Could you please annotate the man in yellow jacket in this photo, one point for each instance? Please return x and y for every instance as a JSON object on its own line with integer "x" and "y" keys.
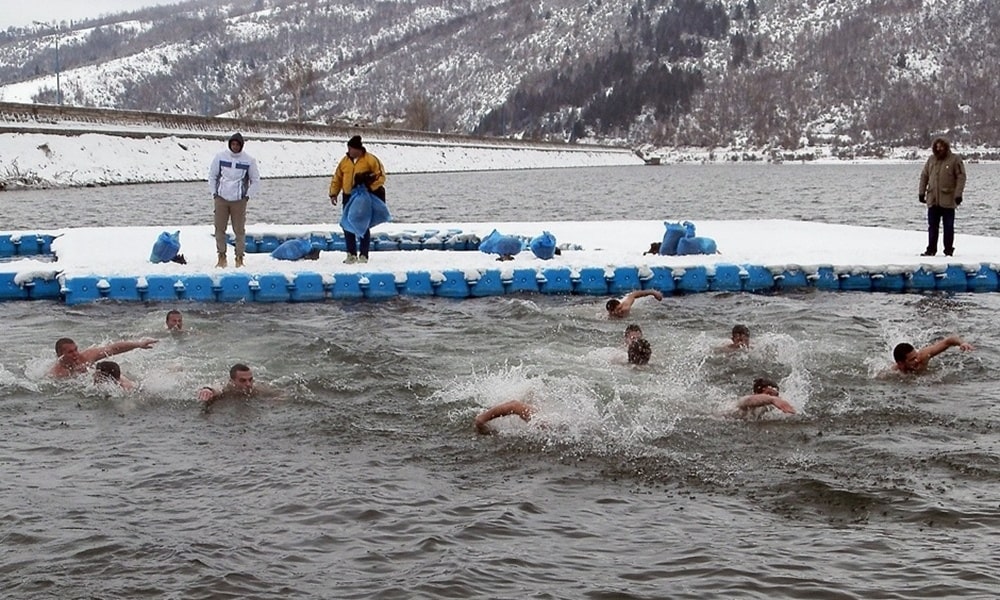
{"x": 357, "y": 167}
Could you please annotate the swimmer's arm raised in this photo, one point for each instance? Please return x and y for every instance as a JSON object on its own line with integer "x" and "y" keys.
{"x": 94, "y": 354}
{"x": 514, "y": 407}
{"x": 943, "y": 344}
{"x": 631, "y": 297}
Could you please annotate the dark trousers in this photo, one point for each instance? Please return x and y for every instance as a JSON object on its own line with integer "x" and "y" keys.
{"x": 352, "y": 243}
{"x": 936, "y": 214}
{"x": 366, "y": 241}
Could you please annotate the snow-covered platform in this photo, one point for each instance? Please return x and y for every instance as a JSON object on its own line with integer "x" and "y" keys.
{"x": 434, "y": 259}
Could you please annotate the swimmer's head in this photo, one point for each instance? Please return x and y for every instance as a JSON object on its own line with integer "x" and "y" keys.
{"x": 63, "y": 346}
{"x": 762, "y": 385}
{"x": 241, "y": 378}
{"x": 901, "y": 351}
{"x": 612, "y": 305}
{"x": 175, "y": 321}
{"x": 107, "y": 371}
{"x": 639, "y": 351}
{"x": 906, "y": 357}
{"x": 741, "y": 335}
{"x": 632, "y": 333}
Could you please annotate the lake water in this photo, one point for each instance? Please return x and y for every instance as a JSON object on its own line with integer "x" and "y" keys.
{"x": 366, "y": 480}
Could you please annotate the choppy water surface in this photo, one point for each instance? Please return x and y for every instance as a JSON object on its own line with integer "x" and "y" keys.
{"x": 366, "y": 480}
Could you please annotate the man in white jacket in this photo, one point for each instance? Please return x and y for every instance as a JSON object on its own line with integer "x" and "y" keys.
{"x": 234, "y": 179}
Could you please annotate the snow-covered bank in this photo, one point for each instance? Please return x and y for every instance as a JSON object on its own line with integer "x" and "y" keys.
{"x": 49, "y": 146}
{"x": 56, "y": 160}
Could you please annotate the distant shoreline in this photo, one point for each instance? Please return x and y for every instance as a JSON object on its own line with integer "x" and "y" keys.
{"x": 52, "y": 147}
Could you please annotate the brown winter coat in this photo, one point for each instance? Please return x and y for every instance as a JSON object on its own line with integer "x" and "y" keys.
{"x": 942, "y": 179}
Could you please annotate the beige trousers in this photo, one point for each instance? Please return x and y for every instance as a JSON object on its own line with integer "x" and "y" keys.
{"x": 237, "y": 212}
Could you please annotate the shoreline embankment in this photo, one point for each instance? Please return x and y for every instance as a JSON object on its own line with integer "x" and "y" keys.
{"x": 43, "y": 146}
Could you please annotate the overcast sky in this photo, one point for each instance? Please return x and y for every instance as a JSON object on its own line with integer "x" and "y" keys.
{"x": 19, "y": 13}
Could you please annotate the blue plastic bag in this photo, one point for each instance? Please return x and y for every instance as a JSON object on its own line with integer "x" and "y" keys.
{"x": 543, "y": 246}
{"x": 166, "y": 247}
{"x": 292, "y": 249}
{"x": 691, "y": 244}
{"x": 673, "y": 234}
{"x": 363, "y": 211}
{"x": 696, "y": 245}
{"x": 504, "y": 245}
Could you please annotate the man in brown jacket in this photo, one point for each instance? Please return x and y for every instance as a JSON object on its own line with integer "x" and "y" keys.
{"x": 941, "y": 185}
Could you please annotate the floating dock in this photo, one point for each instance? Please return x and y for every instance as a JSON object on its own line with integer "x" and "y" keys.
{"x": 600, "y": 259}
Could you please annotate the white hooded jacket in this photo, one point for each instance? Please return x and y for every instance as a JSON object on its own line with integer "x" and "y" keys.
{"x": 232, "y": 176}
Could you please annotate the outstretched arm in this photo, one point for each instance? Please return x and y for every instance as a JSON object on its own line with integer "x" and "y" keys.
{"x": 943, "y": 344}
{"x": 631, "y": 297}
{"x": 514, "y": 407}
{"x": 95, "y": 354}
{"x": 757, "y": 400}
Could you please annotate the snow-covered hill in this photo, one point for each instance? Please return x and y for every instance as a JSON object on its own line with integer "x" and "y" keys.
{"x": 766, "y": 74}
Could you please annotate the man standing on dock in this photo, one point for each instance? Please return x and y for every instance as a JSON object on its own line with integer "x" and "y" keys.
{"x": 357, "y": 167}
{"x": 942, "y": 182}
{"x": 234, "y": 179}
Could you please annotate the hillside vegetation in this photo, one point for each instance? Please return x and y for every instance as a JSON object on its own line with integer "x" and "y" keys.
{"x": 756, "y": 73}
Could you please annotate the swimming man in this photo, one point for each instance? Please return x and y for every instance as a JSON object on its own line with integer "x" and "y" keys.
{"x": 619, "y": 309}
{"x": 765, "y": 393}
{"x": 911, "y": 360}
{"x": 71, "y": 361}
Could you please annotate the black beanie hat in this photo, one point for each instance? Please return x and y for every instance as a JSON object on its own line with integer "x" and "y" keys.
{"x": 355, "y": 142}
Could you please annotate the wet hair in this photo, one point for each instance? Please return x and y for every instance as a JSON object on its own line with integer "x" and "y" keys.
{"x": 632, "y": 327}
{"x": 238, "y": 367}
{"x": 901, "y": 350}
{"x": 108, "y": 370}
{"x": 639, "y": 351}
{"x": 612, "y": 304}
{"x": 762, "y": 383}
{"x": 741, "y": 330}
{"x": 61, "y": 343}
{"x": 171, "y": 313}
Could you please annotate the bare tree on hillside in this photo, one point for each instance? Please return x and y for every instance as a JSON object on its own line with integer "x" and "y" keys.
{"x": 297, "y": 77}
{"x": 419, "y": 113}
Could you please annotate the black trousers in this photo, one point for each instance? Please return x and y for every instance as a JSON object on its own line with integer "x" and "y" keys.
{"x": 936, "y": 214}
{"x": 366, "y": 240}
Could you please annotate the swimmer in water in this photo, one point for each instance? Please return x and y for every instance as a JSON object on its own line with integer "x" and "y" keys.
{"x": 912, "y": 361}
{"x": 765, "y": 394}
{"x": 240, "y": 386}
{"x": 72, "y": 361}
{"x": 740, "y": 339}
{"x": 619, "y": 309}
{"x": 110, "y": 372}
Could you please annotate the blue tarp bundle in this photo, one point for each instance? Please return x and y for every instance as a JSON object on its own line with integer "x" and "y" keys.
{"x": 292, "y": 249}
{"x": 673, "y": 234}
{"x": 543, "y": 246}
{"x": 680, "y": 239}
{"x": 696, "y": 245}
{"x": 166, "y": 247}
{"x": 363, "y": 211}
{"x": 504, "y": 245}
